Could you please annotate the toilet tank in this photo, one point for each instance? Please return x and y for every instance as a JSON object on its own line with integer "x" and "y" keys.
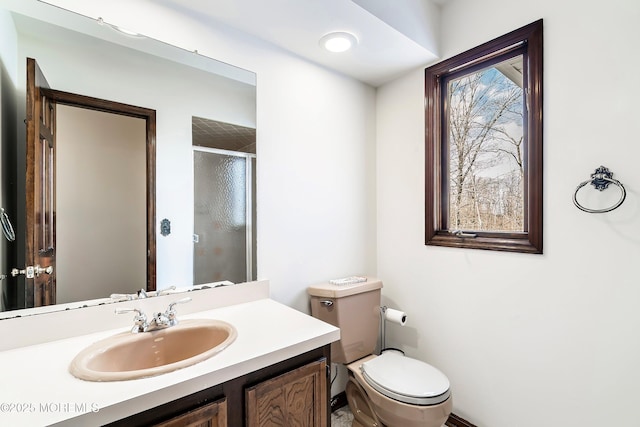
{"x": 355, "y": 309}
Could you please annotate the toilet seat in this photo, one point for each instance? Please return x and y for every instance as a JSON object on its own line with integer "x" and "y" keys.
{"x": 405, "y": 379}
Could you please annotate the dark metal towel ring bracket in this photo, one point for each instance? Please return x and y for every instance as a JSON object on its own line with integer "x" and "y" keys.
{"x": 600, "y": 179}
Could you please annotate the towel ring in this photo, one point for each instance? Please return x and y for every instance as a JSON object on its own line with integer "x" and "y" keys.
{"x": 600, "y": 179}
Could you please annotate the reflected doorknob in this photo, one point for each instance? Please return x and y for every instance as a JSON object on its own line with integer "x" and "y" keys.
{"x": 30, "y": 272}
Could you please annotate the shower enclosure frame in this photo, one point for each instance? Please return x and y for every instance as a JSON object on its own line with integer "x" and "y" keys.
{"x": 249, "y": 202}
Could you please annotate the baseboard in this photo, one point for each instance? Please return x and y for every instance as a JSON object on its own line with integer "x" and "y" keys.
{"x": 338, "y": 401}
{"x": 456, "y": 421}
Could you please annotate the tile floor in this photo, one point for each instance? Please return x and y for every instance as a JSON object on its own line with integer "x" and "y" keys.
{"x": 342, "y": 417}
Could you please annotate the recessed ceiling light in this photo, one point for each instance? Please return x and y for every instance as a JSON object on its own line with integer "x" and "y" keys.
{"x": 338, "y": 41}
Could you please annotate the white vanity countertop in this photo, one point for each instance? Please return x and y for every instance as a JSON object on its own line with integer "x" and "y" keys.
{"x": 40, "y": 391}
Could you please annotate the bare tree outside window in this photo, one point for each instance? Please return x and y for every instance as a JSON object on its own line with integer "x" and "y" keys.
{"x": 485, "y": 116}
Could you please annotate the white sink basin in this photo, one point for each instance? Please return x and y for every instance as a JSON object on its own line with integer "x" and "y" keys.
{"x": 128, "y": 356}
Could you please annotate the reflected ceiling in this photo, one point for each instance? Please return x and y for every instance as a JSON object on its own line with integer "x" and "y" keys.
{"x": 226, "y": 136}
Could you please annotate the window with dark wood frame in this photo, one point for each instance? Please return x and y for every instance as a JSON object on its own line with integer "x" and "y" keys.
{"x": 526, "y": 42}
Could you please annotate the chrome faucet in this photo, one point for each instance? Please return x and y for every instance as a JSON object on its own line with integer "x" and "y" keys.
{"x": 171, "y": 314}
{"x": 141, "y": 294}
{"x": 165, "y": 291}
{"x": 121, "y": 297}
{"x": 140, "y": 323}
{"x": 159, "y": 321}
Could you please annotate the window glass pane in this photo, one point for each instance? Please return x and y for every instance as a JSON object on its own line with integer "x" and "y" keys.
{"x": 484, "y": 111}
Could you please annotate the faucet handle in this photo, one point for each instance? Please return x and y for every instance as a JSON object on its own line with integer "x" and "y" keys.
{"x": 124, "y": 310}
{"x": 128, "y": 297}
{"x": 171, "y": 311}
{"x": 140, "y": 323}
{"x": 165, "y": 291}
{"x": 180, "y": 301}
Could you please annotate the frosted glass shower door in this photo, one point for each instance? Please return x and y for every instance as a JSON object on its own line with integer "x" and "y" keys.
{"x": 224, "y": 198}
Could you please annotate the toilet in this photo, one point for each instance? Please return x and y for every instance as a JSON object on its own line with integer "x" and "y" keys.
{"x": 391, "y": 389}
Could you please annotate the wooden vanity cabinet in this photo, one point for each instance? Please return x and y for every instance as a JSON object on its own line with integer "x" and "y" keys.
{"x": 293, "y": 392}
{"x": 296, "y": 398}
{"x": 209, "y": 415}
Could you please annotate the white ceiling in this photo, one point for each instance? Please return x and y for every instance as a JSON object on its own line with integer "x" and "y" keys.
{"x": 394, "y": 35}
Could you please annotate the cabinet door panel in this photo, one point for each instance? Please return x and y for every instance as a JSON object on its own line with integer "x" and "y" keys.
{"x": 210, "y": 415}
{"x": 294, "y": 399}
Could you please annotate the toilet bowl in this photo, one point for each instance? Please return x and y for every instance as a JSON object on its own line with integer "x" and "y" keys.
{"x": 397, "y": 391}
{"x": 391, "y": 389}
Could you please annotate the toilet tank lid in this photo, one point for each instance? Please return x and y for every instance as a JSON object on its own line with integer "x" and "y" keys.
{"x": 329, "y": 290}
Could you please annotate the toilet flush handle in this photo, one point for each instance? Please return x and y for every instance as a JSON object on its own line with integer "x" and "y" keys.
{"x": 327, "y": 303}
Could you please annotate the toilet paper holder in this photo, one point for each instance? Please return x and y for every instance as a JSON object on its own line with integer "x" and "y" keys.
{"x": 383, "y": 329}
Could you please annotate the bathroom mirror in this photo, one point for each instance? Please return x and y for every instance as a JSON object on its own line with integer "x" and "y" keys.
{"x": 83, "y": 56}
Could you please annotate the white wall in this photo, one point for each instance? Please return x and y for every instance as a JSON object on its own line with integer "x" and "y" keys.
{"x": 316, "y": 211}
{"x": 528, "y": 340}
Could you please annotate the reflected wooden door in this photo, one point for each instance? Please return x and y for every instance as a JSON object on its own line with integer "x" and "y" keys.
{"x": 40, "y": 191}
